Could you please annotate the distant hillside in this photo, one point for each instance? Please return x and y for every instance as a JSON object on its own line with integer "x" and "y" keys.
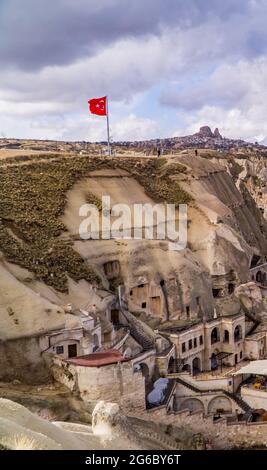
{"x": 204, "y": 138}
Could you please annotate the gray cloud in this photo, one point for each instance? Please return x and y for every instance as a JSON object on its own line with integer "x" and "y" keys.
{"x": 35, "y": 33}
{"x": 205, "y": 54}
{"x": 240, "y": 85}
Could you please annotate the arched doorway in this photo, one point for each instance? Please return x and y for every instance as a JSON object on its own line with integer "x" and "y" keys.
{"x": 171, "y": 366}
{"x": 231, "y": 288}
{"x": 192, "y": 404}
{"x": 259, "y": 276}
{"x": 220, "y": 405}
{"x": 115, "y": 316}
{"x": 145, "y": 371}
{"x": 186, "y": 368}
{"x": 196, "y": 366}
{"x": 226, "y": 336}
{"x": 72, "y": 350}
{"x": 215, "y": 336}
{"x": 95, "y": 342}
{"x": 213, "y": 362}
{"x": 238, "y": 333}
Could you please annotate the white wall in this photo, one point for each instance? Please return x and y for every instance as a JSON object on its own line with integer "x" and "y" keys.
{"x": 254, "y": 398}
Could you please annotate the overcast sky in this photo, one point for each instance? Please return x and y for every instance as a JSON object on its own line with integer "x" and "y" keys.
{"x": 168, "y": 67}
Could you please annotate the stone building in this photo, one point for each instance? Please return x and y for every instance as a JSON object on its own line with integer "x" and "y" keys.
{"x": 81, "y": 335}
{"x": 205, "y": 345}
{"x": 255, "y": 346}
{"x": 107, "y": 375}
{"x": 258, "y": 275}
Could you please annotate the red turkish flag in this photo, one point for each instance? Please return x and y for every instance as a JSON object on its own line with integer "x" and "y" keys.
{"x": 98, "y": 106}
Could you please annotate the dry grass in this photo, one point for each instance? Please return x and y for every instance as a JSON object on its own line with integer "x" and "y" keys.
{"x": 19, "y": 442}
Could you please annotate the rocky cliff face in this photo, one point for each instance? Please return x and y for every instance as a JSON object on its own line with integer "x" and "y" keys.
{"x": 249, "y": 171}
{"x": 225, "y": 230}
{"x": 233, "y": 228}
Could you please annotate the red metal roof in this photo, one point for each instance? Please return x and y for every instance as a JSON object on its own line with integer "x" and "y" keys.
{"x": 98, "y": 359}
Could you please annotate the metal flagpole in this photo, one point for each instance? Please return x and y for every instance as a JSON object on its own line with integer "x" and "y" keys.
{"x": 109, "y": 149}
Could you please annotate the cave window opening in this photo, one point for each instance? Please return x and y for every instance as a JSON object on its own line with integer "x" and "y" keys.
{"x": 231, "y": 288}
{"x": 216, "y": 293}
{"x": 254, "y": 261}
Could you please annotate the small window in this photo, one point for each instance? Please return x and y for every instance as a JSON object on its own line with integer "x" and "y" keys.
{"x": 183, "y": 347}
{"x": 241, "y": 355}
{"x": 143, "y": 304}
{"x": 162, "y": 283}
{"x": 187, "y": 311}
{"x": 195, "y": 342}
{"x": 60, "y": 349}
{"x": 201, "y": 340}
{"x": 131, "y": 292}
{"x": 198, "y": 301}
{"x": 190, "y": 344}
{"x": 140, "y": 286}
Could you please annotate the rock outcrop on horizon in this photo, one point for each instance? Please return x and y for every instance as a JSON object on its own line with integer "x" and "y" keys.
{"x": 205, "y": 131}
{"x": 204, "y": 138}
{"x": 217, "y": 134}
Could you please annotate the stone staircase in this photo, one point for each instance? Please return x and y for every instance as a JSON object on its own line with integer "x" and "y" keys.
{"x": 150, "y": 431}
{"x": 252, "y": 318}
{"x": 253, "y": 328}
{"x": 138, "y": 332}
{"x": 240, "y": 402}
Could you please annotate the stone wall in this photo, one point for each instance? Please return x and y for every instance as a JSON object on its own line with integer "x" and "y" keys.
{"x": 208, "y": 402}
{"x": 220, "y": 434}
{"x": 255, "y": 398}
{"x": 255, "y": 347}
{"x": 163, "y": 360}
{"x": 116, "y": 382}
